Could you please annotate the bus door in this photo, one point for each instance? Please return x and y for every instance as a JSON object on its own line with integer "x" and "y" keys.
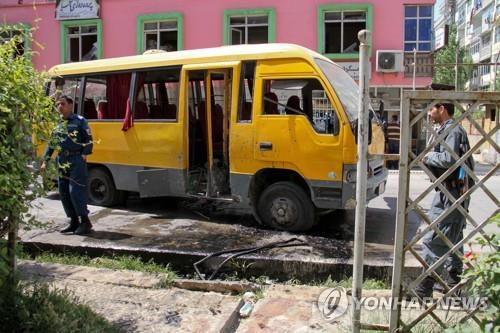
{"x": 209, "y": 100}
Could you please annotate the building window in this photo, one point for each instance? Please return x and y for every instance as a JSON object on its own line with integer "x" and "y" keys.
{"x": 338, "y": 27}
{"x": 81, "y": 40}
{"x": 418, "y": 28}
{"x": 159, "y": 31}
{"x": 249, "y": 26}
{"x": 21, "y": 32}
{"x": 497, "y": 34}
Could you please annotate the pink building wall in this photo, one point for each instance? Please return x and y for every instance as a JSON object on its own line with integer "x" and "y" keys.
{"x": 296, "y": 22}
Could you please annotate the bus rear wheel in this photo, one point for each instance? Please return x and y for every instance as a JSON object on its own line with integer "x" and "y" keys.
{"x": 102, "y": 190}
{"x": 286, "y": 206}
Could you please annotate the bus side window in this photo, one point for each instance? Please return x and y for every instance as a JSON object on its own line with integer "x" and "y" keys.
{"x": 105, "y": 96}
{"x": 300, "y": 97}
{"x": 246, "y": 92}
{"x": 65, "y": 86}
{"x": 157, "y": 95}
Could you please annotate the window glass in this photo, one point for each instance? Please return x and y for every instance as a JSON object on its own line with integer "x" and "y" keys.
{"x": 65, "y": 86}
{"x": 300, "y": 97}
{"x": 157, "y": 94}
{"x": 160, "y": 35}
{"x": 425, "y": 11}
{"x": 410, "y": 29}
{"x": 251, "y": 29}
{"x": 341, "y": 31}
{"x": 106, "y": 96}
{"x": 246, "y": 92}
{"x": 345, "y": 87}
{"x": 82, "y": 43}
{"x": 410, "y": 11}
{"x": 418, "y": 28}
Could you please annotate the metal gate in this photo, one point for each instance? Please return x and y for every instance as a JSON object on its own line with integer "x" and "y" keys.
{"x": 415, "y": 105}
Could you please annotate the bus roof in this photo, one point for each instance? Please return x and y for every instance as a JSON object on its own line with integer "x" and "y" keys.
{"x": 216, "y": 54}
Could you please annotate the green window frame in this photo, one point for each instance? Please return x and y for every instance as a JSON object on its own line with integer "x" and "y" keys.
{"x": 269, "y": 12}
{"x": 170, "y": 16}
{"x": 366, "y": 7}
{"x": 76, "y": 23}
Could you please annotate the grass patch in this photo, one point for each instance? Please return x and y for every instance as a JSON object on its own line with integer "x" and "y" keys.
{"x": 38, "y": 308}
{"x": 347, "y": 283}
{"x": 124, "y": 262}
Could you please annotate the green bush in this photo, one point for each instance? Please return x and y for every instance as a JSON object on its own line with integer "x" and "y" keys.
{"x": 38, "y": 308}
{"x": 484, "y": 280}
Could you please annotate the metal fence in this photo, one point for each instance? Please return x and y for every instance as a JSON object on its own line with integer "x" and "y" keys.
{"x": 415, "y": 105}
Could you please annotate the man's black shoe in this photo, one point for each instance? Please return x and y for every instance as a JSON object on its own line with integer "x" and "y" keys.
{"x": 73, "y": 225}
{"x": 452, "y": 279}
{"x": 84, "y": 228}
{"x": 425, "y": 288}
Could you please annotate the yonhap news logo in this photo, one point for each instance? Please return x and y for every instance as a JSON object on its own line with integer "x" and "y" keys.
{"x": 332, "y": 303}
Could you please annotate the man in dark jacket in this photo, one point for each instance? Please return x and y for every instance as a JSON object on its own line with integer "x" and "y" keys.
{"x": 439, "y": 160}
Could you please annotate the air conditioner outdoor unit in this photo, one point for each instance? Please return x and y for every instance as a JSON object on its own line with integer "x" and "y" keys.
{"x": 389, "y": 61}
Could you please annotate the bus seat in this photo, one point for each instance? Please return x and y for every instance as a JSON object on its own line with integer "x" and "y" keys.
{"x": 271, "y": 107}
{"x": 170, "y": 111}
{"x": 156, "y": 112}
{"x": 102, "y": 109}
{"x": 89, "y": 110}
{"x": 141, "y": 110}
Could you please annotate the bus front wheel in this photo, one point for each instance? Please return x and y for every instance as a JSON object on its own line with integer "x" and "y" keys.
{"x": 102, "y": 190}
{"x": 286, "y": 206}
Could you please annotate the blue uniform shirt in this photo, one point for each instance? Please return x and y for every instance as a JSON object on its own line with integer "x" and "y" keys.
{"x": 72, "y": 135}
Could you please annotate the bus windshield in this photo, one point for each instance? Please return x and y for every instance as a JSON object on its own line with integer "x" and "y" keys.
{"x": 344, "y": 85}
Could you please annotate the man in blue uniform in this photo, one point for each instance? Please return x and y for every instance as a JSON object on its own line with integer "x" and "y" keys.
{"x": 73, "y": 141}
{"x": 457, "y": 183}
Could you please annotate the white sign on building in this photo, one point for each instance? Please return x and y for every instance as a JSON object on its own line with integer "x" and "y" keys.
{"x": 77, "y": 9}
{"x": 352, "y": 68}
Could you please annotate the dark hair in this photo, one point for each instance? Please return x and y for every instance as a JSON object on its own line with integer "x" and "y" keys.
{"x": 450, "y": 107}
{"x": 394, "y": 117}
{"x": 68, "y": 99}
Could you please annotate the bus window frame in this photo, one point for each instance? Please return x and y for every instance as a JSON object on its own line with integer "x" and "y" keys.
{"x": 132, "y": 96}
{"x": 317, "y": 77}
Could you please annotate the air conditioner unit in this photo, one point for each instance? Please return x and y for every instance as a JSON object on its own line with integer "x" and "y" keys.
{"x": 389, "y": 61}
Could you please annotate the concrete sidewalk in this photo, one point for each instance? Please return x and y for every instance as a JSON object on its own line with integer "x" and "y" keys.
{"x": 136, "y": 302}
{"x": 133, "y": 301}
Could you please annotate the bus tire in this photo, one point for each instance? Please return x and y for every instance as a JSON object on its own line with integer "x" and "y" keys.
{"x": 286, "y": 206}
{"x": 102, "y": 190}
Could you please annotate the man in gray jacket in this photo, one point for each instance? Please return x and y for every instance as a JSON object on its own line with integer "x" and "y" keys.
{"x": 439, "y": 160}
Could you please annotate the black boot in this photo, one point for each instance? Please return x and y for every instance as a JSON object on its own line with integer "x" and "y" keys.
{"x": 452, "y": 279}
{"x": 73, "y": 225}
{"x": 84, "y": 228}
{"x": 425, "y": 288}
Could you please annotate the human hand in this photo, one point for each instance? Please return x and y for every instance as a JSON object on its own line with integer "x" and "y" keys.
{"x": 43, "y": 167}
{"x": 84, "y": 157}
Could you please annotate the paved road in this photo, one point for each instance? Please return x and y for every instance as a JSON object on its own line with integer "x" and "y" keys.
{"x": 172, "y": 228}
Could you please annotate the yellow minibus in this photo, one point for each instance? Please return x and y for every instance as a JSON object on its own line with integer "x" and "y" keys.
{"x": 270, "y": 128}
